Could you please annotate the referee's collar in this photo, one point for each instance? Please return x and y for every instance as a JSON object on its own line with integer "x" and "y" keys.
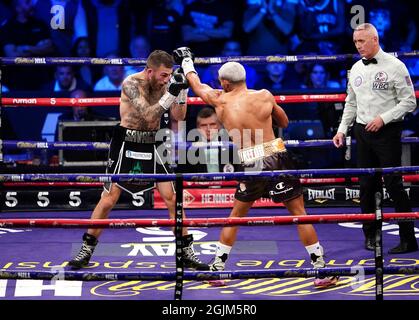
{"x": 379, "y": 55}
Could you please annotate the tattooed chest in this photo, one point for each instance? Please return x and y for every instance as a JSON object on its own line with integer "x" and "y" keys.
{"x": 143, "y": 116}
{"x": 139, "y": 107}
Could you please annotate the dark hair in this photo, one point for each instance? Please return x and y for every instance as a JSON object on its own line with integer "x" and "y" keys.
{"x": 76, "y": 44}
{"x": 205, "y": 113}
{"x": 158, "y": 58}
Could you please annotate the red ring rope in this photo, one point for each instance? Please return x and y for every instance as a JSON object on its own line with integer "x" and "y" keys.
{"x": 202, "y": 222}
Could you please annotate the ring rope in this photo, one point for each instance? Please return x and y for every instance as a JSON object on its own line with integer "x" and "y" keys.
{"x": 197, "y": 184}
{"x": 203, "y": 275}
{"x": 89, "y": 145}
{"x": 201, "y": 60}
{"x": 40, "y": 177}
{"x": 115, "y": 101}
{"x": 204, "y": 222}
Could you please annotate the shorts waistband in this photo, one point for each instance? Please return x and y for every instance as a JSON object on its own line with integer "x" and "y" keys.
{"x": 260, "y": 151}
{"x": 136, "y": 136}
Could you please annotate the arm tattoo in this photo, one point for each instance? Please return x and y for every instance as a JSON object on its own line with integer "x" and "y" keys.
{"x": 130, "y": 88}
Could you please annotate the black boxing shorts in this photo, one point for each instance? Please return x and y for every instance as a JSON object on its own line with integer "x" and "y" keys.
{"x": 135, "y": 152}
{"x": 268, "y": 156}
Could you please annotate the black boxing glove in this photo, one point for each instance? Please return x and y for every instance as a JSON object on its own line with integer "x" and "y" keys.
{"x": 177, "y": 83}
{"x": 185, "y": 58}
{"x": 181, "y": 53}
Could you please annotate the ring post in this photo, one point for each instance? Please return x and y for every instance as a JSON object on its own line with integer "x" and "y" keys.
{"x": 379, "y": 264}
{"x": 178, "y": 236}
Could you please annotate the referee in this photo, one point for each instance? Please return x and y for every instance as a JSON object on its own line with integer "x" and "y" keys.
{"x": 380, "y": 93}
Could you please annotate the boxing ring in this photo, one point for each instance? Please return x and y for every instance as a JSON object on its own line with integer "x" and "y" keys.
{"x": 138, "y": 259}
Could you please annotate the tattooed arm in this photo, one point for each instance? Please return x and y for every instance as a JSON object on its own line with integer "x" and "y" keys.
{"x": 136, "y": 112}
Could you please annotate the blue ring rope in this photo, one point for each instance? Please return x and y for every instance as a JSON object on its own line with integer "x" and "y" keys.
{"x": 203, "y": 275}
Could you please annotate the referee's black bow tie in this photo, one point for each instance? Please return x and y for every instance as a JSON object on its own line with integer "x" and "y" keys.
{"x": 367, "y": 62}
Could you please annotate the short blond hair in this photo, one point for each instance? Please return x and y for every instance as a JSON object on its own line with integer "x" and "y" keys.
{"x": 232, "y": 71}
{"x": 367, "y": 27}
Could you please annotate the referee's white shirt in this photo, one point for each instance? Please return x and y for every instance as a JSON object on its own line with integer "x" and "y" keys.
{"x": 383, "y": 89}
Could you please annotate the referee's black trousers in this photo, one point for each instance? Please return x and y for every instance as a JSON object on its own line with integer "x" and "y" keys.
{"x": 379, "y": 150}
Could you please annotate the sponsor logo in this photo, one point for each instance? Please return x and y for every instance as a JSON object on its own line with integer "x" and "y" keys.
{"x": 321, "y": 195}
{"x": 39, "y": 60}
{"x": 84, "y": 179}
{"x": 99, "y": 61}
{"x": 276, "y": 58}
{"x": 26, "y": 145}
{"x": 283, "y": 191}
{"x": 280, "y": 186}
{"x": 214, "y": 60}
{"x": 187, "y": 198}
{"x": 101, "y": 145}
{"x": 386, "y": 195}
{"x": 351, "y": 194}
{"x": 43, "y": 145}
{"x": 24, "y": 101}
{"x": 138, "y": 155}
{"x": 25, "y": 60}
{"x": 116, "y": 61}
{"x": 291, "y": 58}
{"x": 217, "y": 198}
{"x": 13, "y": 178}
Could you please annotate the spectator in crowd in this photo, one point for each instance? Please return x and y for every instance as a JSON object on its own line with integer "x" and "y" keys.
{"x": 163, "y": 24}
{"x": 25, "y": 36}
{"x": 231, "y": 48}
{"x": 276, "y": 78}
{"x": 110, "y": 24}
{"x": 394, "y": 21}
{"x": 206, "y": 25}
{"x": 139, "y": 48}
{"x": 215, "y": 159}
{"x": 320, "y": 26}
{"x": 78, "y": 113}
{"x": 5, "y": 13}
{"x": 66, "y": 81}
{"x": 64, "y": 29}
{"x": 113, "y": 77}
{"x": 269, "y": 24}
{"x": 318, "y": 79}
{"x": 82, "y": 48}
